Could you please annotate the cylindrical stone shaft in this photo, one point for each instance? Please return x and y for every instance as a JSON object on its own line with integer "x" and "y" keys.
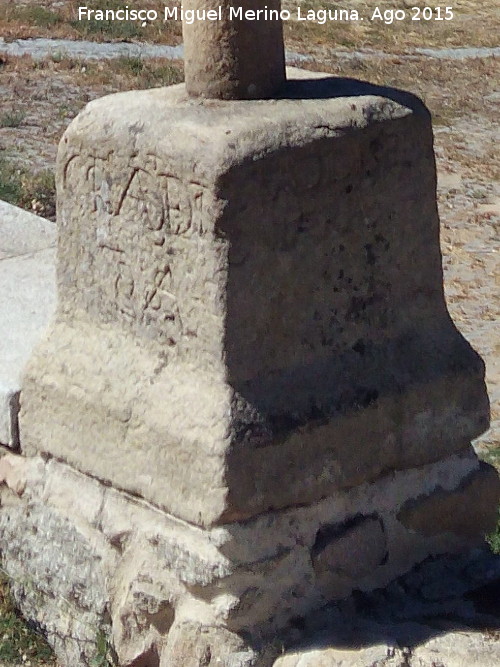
{"x": 233, "y": 57}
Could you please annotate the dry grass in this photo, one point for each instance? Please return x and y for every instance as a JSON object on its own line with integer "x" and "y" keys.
{"x": 20, "y": 643}
{"x": 46, "y": 18}
{"x": 449, "y": 89}
{"x": 474, "y": 23}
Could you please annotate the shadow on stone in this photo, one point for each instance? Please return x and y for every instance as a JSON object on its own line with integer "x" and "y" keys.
{"x": 334, "y": 87}
{"x": 438, "y": 598}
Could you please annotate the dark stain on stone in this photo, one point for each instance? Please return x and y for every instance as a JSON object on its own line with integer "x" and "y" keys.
{"x": 329, "y": 532}
{"x": 359, "y": 347}
{"x": 370, "y": 255}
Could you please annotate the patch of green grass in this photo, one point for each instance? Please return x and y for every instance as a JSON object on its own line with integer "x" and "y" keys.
{"x": 125, "y": 31}
{"x": 130, "y": 65}
{"x": 10, "y": 182}
{"x": 122, "y": 30}
{"x": 41, "y": 17}
{"x": 12, "y": 119}
{"x": 105, "y": 655}
{"x": 161, "y": 75}
{"x": 57, "y": 56}
{"x": 147, "y": 73}
{"x": 492, "y": 456}
{"x": 493, "y": 538}
{"x": 35, "y": 15}
{"x": 39, "y": 193}
{"x": 35, "y": 192}
{"x": 19, "y": 643}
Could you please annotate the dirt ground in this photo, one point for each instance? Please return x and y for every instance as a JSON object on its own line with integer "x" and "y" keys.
{"x": 474, "y": 23}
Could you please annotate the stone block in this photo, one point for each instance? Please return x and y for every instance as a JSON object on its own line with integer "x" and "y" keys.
{"x": 166, "y": 590}
{"x": 465, "y": 648}
{"x": 346, "y": 552}
{"x": 143, "y": 608}
{"x": 369, "y": 656}
{"x": 57, "y": 577}
{"x": 27, "y": 301}
{"x": 459, "y": 649}
{"x": 251, "y": 313}
{"x": 469, "y": 511}
{"x": 192, "y": 644}
{"x": 23, "y": 233}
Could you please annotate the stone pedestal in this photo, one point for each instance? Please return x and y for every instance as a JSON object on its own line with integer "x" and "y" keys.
{"x": 252, "y": 397}
{"x": 251, "y": 310}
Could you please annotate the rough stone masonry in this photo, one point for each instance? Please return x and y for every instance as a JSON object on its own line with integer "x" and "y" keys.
{"x": 252, "y": 399}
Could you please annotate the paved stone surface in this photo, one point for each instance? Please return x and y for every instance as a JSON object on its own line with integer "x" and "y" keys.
{"x": 444, "y": 613}
{"x": 41, "y": 48}
{"x": 27, "y": 300}
{"x": 22, "y": 233}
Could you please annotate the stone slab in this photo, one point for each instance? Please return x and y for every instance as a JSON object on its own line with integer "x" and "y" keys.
{"x": 27, "y": 301}
{"x": 23, "y": 233}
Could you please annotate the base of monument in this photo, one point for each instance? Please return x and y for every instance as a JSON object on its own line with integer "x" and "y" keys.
{"x": 85, "y": 558}
{"x": 252, "y": 400}
{"x": 250, "y": 303}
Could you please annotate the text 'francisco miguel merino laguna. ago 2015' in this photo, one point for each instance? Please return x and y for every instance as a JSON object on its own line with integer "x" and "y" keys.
{"x": 233, "y": 13}
{"x": 238, "y": 13}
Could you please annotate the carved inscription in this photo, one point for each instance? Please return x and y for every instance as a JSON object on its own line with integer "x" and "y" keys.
{"x": 145, "y": 222}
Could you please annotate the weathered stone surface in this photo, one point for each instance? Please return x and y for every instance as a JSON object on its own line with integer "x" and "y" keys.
{"x": 337, "y": 657}
{"x": 459, "y": 649}
{"x": 400, "y": 627}
{"x": 204, "y": 349}
{"x": 468, "y": 511}
{"x": 143, "y": 608}
{"x": 27, "y": 301}
{"x": 57, "y": 577}
{"x": 349, "y": 551}
{"x": 453, "y": 649}
{"x": 192, "y": 644}
{"x": 220, "y": 58}
{"x": 149, "y": 577}
{"x": 13, "y": 474}
{"x": 250, "y": 377}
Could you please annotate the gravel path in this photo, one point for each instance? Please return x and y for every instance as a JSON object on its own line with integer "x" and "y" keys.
{"x": 86, "y": 50}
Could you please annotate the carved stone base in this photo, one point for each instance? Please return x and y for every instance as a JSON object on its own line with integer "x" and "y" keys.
{"x": 251, "y": 313}
{"x": 252, "y": 399}
{"x": 85, "y": 558}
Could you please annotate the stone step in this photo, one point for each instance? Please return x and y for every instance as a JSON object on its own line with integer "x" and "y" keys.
{"x": 27, "y": 301}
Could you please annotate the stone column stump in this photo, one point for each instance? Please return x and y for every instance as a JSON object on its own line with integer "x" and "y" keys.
{"x": 252, "y": 399}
